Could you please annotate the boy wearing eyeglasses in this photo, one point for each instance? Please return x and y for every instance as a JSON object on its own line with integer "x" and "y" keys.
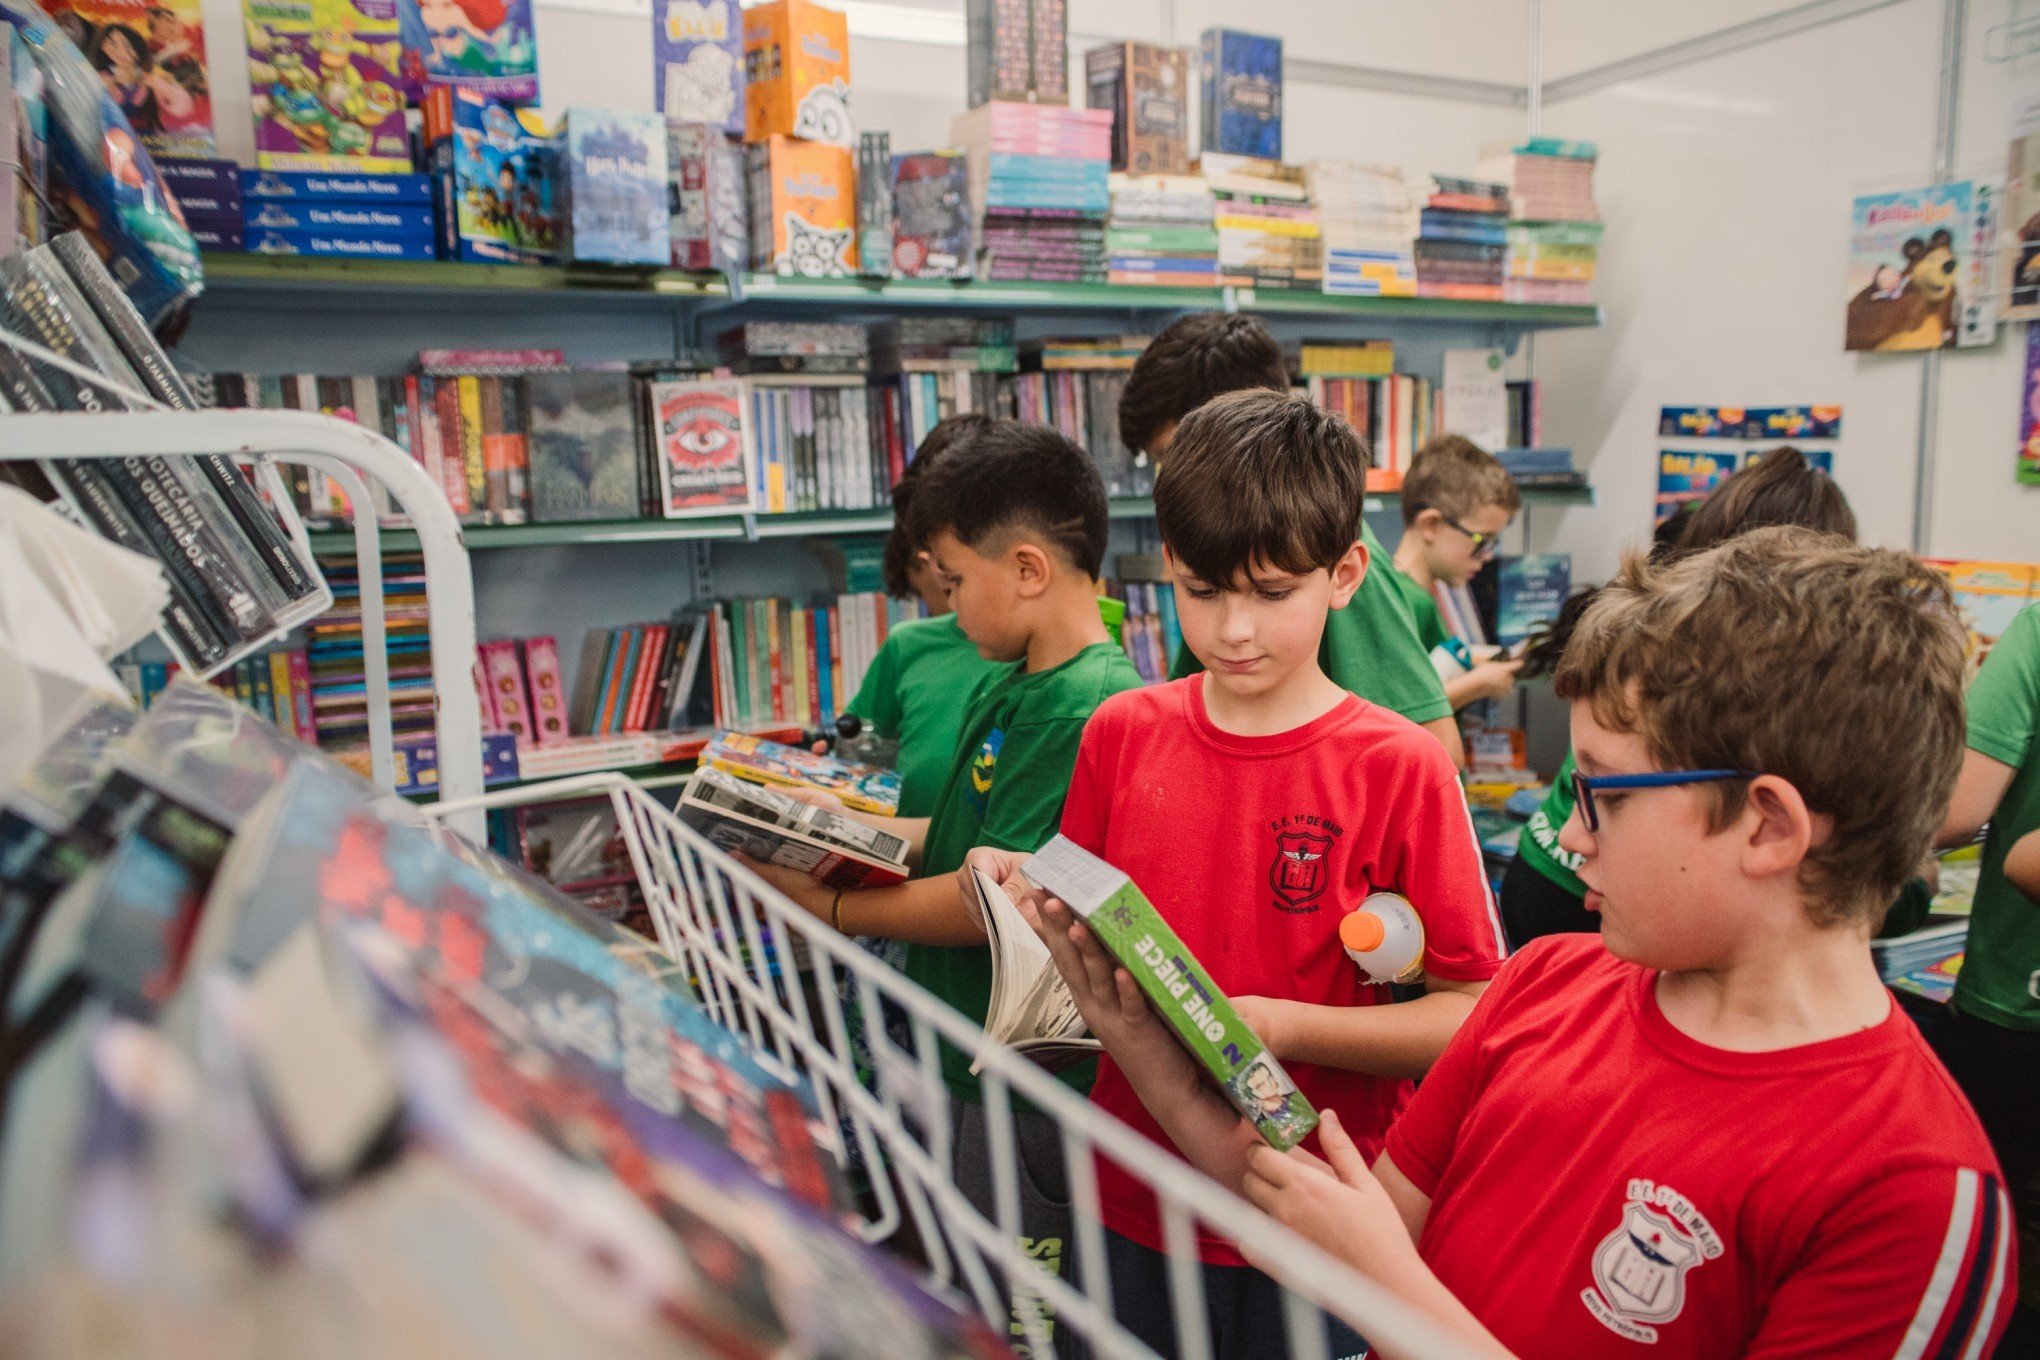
{"x": 1708, "y": 1131}
{"x": 1457, "y": 499}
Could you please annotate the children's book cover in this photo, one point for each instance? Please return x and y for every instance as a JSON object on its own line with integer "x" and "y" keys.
{"x": 1920, "y": 274}
{"x": 866, "y": 788}
{"x": 2019, "y": 238}
{"x": 1691, "y": 475}
{"x": 797, "y": 73}
{"x": 583, "y": 446}
{"x": 616, "y": 187}
{"x": 327, "y": 91}
{"x": 150, "y": 54}
{"x": 487, "y": 46}
{"x": 698, "y": 62}
{"x": 703, "y": 448}
{"x": 931, "y": 215}
{"x": 504, "y": 168}
{"x": 1988, "y": 595}
{"x": 1528, "y": 593}
{"x": 807, "y": 190}
{"x": 2029, "y": 413}
{"x": 710, "y": 224}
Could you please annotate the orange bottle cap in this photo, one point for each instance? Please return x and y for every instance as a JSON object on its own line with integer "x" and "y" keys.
{"x": 1362, "y": 931}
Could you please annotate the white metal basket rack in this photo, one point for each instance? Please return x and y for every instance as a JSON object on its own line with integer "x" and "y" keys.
{"x": 730, "y": 933}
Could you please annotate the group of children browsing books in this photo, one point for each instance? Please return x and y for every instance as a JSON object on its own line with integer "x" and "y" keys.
{"x": 1708, "y": 1131}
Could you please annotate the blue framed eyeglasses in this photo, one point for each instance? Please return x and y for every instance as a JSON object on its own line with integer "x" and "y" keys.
{"x": 1584, "y": 787}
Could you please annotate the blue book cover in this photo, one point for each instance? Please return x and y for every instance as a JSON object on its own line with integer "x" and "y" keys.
{"x": 399, "y": 218}
{"x": 498, "y": 177}
{"x": 317, "y": 184}
{"x": 488, "y": 47}
{"x": 1528, "y": 592}
{"x": 698, "y": 62}
{"x": 616, "y": 186}
{"x": 360, "y": 245}
{"x": 1242, "y": 86}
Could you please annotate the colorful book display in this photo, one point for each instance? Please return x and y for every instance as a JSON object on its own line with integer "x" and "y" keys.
{"x": 797, "y": 74}
{"x": 803, "y": 208}
{"x": 486, "y": 47}
{"x": 698, "y": 62}
{"x": 151, "y": 56}
{"x": 614, "y": 172}
{"x": 328, "y": 93}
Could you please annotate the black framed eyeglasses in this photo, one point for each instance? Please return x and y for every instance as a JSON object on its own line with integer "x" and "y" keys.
{"x": 1584, "y": 787}
{"x": 1484, "y": 545}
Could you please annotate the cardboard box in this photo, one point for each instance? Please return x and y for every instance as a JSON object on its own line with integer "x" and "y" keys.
{"x": 1147, "y": 89}
{"x": 346, "y": 188}
{"x": 797, "y": 74}
{"x": 495, "y": 173}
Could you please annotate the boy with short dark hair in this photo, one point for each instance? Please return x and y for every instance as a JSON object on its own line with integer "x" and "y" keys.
{"x": 1370, "y": 644}
{"x": 1015, "y": 521}
{"x": 1457, "y": 499}
{"x": 1258, "y": 803}
{"x": 1708, "y": 1130}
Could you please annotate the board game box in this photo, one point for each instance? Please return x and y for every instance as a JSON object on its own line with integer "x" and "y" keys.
{"x": 327, "y": 89}
{"x": 495, "y": 170}
{"x": 698, "y": 62}
{"x": 804, "y": 205}
{"x": 488, "y": 47}
{"x": 614, "y": 172}
{"x": 797, "y": 73}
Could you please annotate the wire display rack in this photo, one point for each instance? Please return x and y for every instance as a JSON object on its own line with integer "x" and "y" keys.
{"x": 736, "y": 939}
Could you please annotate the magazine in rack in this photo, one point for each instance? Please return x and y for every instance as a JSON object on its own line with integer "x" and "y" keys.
{"x": 1031, "y": 1010}
{"x": 772, "y": 828}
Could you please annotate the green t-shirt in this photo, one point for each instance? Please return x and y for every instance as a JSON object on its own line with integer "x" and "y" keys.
{"x": 915, "y": 691}
{"x": 1423, "y": 607}
{"x": 2000, "y": 977}
{"x": 1371, "y": 647}
{"x": 1006, "y": 786}
{"x": 1538, "y": 845}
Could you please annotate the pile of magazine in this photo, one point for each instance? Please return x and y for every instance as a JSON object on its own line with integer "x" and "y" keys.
{"x": 282, "y": 1060}
{"x": 236, "y": 578}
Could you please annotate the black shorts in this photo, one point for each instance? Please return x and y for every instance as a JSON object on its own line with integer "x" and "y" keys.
{"x": 1243, "y": 1308}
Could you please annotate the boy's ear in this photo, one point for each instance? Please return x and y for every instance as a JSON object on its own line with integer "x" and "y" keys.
{"x": 1347, "y": 574}
{"x": 1779, "y": 828}
{"x": 1033, "y": 566}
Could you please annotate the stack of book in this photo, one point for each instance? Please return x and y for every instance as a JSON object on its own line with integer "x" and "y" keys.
{"x": 775, "y": 660}
{"x": 1554, "y": 233}
{"x": 334, "y": 659}
{"x": 1355, "y": 378}
{"x": 1039, "y": 180}
{"x": 1075, "y": 386}
{"x": 833, "y": 348}
{"x": 937, "y": 367}
{"x": 1268, "y": 232}
{"x": 1161, "y": 232}
{"x": 1931, "y": 944}
{"x": 1462, "y": 240}
{"x": 351, "y": 215}
{"x": 1150, "y": 633}
{"x": 638, "y": 678}
{"x": 234, "y": 577}
{"x": 1369, "y": 224}
{"x": 1542, "y": 469}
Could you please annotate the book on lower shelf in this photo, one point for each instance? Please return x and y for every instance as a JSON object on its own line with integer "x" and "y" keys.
{"x": 771, "y": 828}
{"x": 1177, "y": 986}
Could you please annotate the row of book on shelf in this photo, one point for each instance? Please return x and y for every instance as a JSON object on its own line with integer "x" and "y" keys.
{"x": 444, "y": 1049}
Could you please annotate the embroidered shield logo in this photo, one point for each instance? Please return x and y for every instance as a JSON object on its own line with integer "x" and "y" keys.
{"x": 1298, "y": 874}
{"x": 1641, "y": 1267}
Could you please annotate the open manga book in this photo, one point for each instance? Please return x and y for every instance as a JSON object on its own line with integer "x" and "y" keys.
{"x": 1177, "y": 986}
{"x": 774, "y": 829}
{"x": 1031, "y": 1011}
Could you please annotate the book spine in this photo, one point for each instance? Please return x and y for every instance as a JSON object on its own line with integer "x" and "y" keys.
{"x": 775, "y": 626}
{"x": 615, "y": 705}
{"x": 651, "y": 661}
{"x": 300, "y": 677}
{"x": 817, "y": 667}
{"x": 517, "y": 434}
{"x": 797, "y": 667}
{"x": 548, "y": 694}
{"x": 453, "y": 466}
{"x": 474, "y": 460}
{"x": 587, "y": 697}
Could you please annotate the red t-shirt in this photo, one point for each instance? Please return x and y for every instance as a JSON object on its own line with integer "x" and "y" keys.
{"x": 1253, "y": 849}
{"x": 1603, "y": 1185}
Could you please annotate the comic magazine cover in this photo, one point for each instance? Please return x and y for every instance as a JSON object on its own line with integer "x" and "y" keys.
{"x": 327, "y": 91}
{"x": 703, "y": 449}
{"x": 151, "y": 56}
{"x": 1921, "y": 272}
{"x": 1178, "y": 987}
{"x": 865, "y": 788}
{"x": 487, "y": 46}
{"x": 698, "y": 62}
{"x": 504, "y": 171}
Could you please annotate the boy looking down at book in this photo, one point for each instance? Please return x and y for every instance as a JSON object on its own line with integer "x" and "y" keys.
{"x": 1258, "y": 803}
{"x": 1456, "y": 501}
{"x": 1370, "y": 644}
{"x": 1708, "y": 1130}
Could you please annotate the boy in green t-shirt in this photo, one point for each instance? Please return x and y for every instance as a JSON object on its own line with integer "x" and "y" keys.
{"x": 1990, "y": 1039}
{"x": 1015, "y": 522}
{"x": 913, "y": 691}
{"x": 1456, "y": 501}
{"x": 1370, "y": 647}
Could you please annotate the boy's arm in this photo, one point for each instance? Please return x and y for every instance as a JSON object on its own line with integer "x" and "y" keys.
{"x": 1488, "y": 680}
{"x": 2003, "y": 707}
{"x": 2022, "y": 866}
{"x": 1446, "y": 730}
{"x": 1916, "y": 1263}
{"x": 1978, "y": 790}
{"x": 919, "y": 911}
{"x": 1402, "y": 1040}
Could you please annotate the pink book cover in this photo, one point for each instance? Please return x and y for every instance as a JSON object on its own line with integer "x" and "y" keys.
{"x": 548, "y": 690}
{"x": 505, "y": 674}
{"x": 486, "y": 692}
{"x": 300, "y": 668}
{"x": 477, "y": 360}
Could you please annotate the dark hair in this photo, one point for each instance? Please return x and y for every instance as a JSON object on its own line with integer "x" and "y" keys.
{"x": 96, "y": 46}
{"x": 1456, "y": 477}
{"x": 1194, "y": 359}
{"x": 1778, "y": 488}
{"x": 1011, "y": 476}
{"x": 1260, "y": 478}
{"x": 901, "y": 544}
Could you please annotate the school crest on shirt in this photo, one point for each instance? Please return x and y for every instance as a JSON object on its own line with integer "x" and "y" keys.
{"x": 1640, "y": 1268}
{"x": 984, "y": 767}
{"x": 1299, "y": 872}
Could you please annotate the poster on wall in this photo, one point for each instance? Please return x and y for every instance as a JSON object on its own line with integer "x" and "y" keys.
{"x": 1725, "y": 438}
{"x": 2029, "y": 413}
{"x": 2019, "y": 240}
{"x": 1691, "y": 475}
{"x": 1920, "y": 268}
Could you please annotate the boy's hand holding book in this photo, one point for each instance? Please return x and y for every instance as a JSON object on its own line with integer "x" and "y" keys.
{"x": 1334, "y": 1201}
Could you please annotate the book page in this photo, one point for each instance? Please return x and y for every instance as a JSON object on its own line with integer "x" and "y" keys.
{"x": 1075, "y": 875}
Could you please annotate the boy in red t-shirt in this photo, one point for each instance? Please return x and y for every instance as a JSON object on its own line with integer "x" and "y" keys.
{"x": 1707, "y": 1131}
{"x": 1258, "y": 803}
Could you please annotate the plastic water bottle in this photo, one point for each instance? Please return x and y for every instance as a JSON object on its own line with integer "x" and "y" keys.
{"x": 1385, "y": 937}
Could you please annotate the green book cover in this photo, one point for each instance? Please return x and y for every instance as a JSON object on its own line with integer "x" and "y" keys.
{"x": 1128, "y": 925}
